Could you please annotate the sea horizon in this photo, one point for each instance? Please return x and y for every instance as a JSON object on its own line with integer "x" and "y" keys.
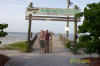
{"x": 14, "y": 37}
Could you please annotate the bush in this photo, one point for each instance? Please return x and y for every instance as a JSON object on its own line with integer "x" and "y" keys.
{"x": 67, "y": 45}
{"x": 90, "y": 40}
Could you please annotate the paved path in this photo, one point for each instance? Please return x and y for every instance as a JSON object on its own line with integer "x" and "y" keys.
{"x": 36, "y": 59}
{"x": 58, "y": 57}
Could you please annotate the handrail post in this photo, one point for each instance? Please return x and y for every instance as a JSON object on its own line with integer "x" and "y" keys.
{"x": 51, "y": 45}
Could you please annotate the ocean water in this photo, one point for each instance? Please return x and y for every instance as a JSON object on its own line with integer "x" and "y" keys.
{"x": 13, "y": 37}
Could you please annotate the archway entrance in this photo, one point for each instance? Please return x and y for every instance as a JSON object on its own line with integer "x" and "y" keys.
{"x": 52, "y": 14}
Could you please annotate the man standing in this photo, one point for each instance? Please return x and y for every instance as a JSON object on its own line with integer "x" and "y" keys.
{"x": 47, "y": 37}
{"x": 41, "y": 41}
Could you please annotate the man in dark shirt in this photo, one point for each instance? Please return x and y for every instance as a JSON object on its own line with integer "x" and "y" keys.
{"x": 47, "y": 38}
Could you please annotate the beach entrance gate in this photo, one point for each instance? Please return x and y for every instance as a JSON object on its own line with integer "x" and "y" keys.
{"x": 52, "y": 14}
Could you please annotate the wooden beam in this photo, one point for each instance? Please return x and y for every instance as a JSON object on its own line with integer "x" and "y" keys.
{"x": 52, "y": 19}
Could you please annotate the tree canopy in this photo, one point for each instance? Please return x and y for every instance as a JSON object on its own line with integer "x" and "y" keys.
{"x": 2, "y": 27}
{"x": 91, "y": 25}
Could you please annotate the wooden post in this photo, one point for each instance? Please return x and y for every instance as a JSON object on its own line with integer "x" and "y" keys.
{"x": 51, "y": 45}
{"x": 75, "y": 35}
{"x": 67, "y": 25}
{"x": 29, "y": 30}
{"x": 75, "y": 32}
{"x": 29, "y": 33}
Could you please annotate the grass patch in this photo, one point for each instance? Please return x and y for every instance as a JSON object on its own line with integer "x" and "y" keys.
{"x": 21, "y": 46}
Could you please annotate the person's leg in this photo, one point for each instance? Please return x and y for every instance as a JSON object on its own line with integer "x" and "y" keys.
{"x": 47, "y": 46}
{"x": 44, "y": 46}
{"x": 40, "y": 46}
{"x": 40, "y": 50}
{"x": 43, "y": 50}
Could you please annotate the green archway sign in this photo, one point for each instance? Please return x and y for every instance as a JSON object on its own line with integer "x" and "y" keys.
{"x": 52, "y": 11}
{"x": 51, "y": 14}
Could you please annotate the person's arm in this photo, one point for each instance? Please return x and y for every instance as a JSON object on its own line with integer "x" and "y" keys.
{"x": 39, "y": 38}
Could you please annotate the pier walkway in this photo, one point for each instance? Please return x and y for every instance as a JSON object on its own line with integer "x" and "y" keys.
{"x": 57, "y": 46}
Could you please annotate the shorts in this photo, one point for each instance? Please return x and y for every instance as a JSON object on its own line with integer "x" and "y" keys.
{"x": 42, "y": 44}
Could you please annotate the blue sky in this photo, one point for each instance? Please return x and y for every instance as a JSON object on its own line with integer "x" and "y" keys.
{"x": 12, "y": 12}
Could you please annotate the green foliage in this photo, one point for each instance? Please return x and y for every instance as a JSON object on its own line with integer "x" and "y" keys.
{"x": 3, "y": 34}
{"x": 91, "y": 24}
{"x": 2, "y": 27}
{"x": 80, "y": 45}
{"x": 67, "y": 45}
{"x": 21, "y": 46}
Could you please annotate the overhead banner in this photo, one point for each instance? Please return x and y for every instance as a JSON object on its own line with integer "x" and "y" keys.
{"x": 52, "y": 11}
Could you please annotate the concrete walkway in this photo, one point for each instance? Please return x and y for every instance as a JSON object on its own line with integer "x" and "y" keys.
{"x": 58, "y": 57}
{"x": 36, "y": 59}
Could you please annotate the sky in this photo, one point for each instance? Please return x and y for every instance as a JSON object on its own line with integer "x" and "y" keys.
{"x": 12, "y": 12}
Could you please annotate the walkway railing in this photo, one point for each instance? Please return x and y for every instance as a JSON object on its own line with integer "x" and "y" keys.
{"x": 34, "y": 39}
{"x": 51, "y": 45}
{"x": 51, "y": 42}
{"x": 66, "y": 40}
{"x": 63, "y": 39}
{"x": 31, "y": 43}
